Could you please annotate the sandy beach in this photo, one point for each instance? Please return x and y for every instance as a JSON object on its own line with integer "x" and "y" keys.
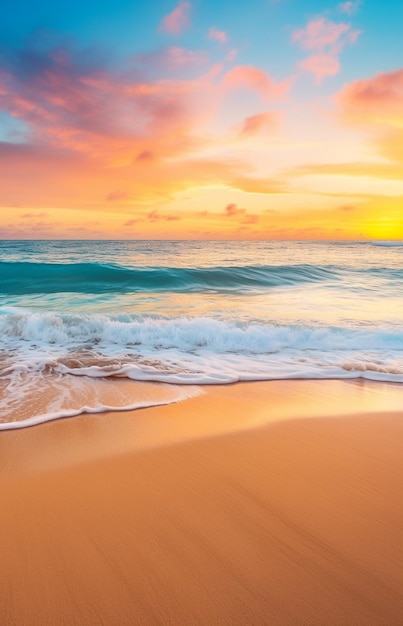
{"x": 259, "y": 503}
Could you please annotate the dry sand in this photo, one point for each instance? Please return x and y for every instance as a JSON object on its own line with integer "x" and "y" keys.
{"x": 223, "y": 509}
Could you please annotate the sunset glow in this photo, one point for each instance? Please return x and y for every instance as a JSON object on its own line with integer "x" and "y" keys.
{"x": 266, "y": 120}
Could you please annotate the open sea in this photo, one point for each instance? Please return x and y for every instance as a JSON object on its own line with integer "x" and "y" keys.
{"x": 82, "y": 321}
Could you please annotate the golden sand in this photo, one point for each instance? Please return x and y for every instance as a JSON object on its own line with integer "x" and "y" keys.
{"x": 223, "y": 509}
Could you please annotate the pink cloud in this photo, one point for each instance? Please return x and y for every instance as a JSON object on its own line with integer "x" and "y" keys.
{"x": 218, "y": 35}
{"x": 92, "y": 111}
{"x": 243, "y": 217}
{"x": 179, "y": 19}
{"x": 144, "y": 157}
{"x": 232, "y": 209}
{"x": 320, "y": 65}
{"x": 377, "y": 103}
{"x": 255, "y": 79}
{"x": 328, "y": 40}
{"x": 93, "y": 135}
{"x": 255, "y": 124}
{"x": 156, "y": 216}
{"x": 376, "y": 100}
{"x": 322, "y": 34}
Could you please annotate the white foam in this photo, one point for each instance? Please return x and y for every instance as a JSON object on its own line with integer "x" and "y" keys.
{"x": 53, "y": 331}
{"x": 38, "y": 347}
{"x": 46, "y": 398}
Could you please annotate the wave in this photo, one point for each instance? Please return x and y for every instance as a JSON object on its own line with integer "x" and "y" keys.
{"x": 387, "y": 244}
{"x": 24, "y": 278}
{"x": 183, "y": 349}
{"x": 29, "y": 278}
{"x": 64, "y": 330}
{"x": 54, "y": 365}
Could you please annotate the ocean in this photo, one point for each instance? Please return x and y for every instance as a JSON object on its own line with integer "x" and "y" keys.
{"x": 88, "y": 326}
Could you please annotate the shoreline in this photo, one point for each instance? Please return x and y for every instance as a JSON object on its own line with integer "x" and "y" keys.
{"x": 155, "y": 389}
{"x": 253, "y": 503}
{"x": 215, "y": 410}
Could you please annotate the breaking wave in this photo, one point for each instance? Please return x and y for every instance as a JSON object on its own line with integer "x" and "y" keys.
{"x": 189, "y": 351}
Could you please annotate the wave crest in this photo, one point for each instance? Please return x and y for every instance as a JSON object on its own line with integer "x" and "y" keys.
{"x": 29, "y": 278}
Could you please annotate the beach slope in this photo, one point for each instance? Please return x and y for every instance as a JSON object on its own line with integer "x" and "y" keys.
{"x": 297, "y": 520}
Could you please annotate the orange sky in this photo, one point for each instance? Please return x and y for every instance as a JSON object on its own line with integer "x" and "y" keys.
{"x": 183, "y": 143}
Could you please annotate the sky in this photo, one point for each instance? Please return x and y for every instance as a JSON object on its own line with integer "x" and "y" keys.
{"x": 266, "y": 119}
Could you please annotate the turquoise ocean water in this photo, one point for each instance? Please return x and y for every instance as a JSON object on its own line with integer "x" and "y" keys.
{"x": 78, "y": 316}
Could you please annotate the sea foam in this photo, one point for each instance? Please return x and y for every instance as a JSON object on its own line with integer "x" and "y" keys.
{"x": 199, "y": 350}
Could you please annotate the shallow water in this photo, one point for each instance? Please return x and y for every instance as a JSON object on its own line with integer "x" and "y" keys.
{"x": 74, "y": 314}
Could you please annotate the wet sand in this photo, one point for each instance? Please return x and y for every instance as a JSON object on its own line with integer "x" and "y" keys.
{"x": 262, "y": 503}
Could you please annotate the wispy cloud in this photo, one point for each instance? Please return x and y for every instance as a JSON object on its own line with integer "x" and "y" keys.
{"x": 178, "y": 20}
{"x": 217, "y": 35}
{"x": 232, "y": 209}
{"x": 322, "y": 35}
{"x": 92, "y": 110}
{"x": 260, "y": 122}
{"x": 327, "y": 40}
{"x": 170, "y": 59}
{"x": 320, "y": 65}
{"x": 257, "y": 80}
{"x": 157, "y": 216}
{"x": 349, "y": 7}
{"x": 242, "y": 216}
